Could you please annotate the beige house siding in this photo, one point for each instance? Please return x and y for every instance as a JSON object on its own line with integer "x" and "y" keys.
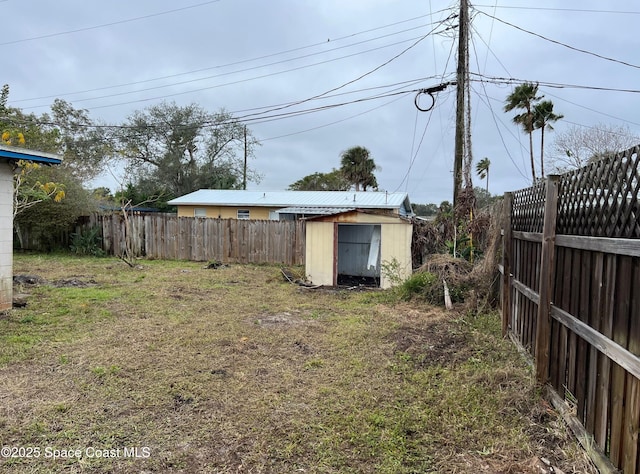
{"x": 6, "y": 237}
{"x": 319, "y": 252}
{"x": 224, "y": 212}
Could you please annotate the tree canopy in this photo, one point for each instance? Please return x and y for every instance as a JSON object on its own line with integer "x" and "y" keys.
{"x": 172, "y": 150}
{"x": 543, "y": 117}
{"x": 537, "y": 115}
{"x": 482, "y": 170}
{"x": 358, "y": 168}
{"x": 332, "y": 181}
{"x": 524, "y": 98}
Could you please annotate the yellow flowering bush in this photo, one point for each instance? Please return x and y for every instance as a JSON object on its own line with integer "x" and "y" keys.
{"x": 13, "y": 137}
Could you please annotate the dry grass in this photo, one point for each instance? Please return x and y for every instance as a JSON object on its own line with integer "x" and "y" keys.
{"x": 234, "y": 370}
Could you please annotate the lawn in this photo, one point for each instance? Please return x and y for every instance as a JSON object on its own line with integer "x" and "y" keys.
{"x": 171, "y": 367}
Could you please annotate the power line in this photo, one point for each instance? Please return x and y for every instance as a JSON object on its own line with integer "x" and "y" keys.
{"x": 402, "y": 95}
{"x": 584, "y": 51}
{"x": 403, "y": 83}
{"x": 104, "y": 25}
{"x": 362, "y": 75}
{"x": 244, "y": 61}
{"x": 240, "y": 81}
{"x": 414, "y": 156}
{"x": 555, "y": 85}
{"x": 572, "y": 10}
{"x": 489, "y": 106}
{"x": 229, "y": 73}
{"x": 592, "y": 110}
{"x": 255, "y": 120}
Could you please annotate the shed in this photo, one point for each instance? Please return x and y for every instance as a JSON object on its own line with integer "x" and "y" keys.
{"x": 9, "y": 156}
{"x": 356, "y": 246}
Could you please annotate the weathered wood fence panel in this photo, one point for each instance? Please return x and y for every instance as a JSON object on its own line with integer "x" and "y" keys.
{"x": 166, "y": 236}
{"x": 571, "y": 295}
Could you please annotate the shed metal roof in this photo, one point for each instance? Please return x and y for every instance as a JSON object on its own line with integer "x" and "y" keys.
{"x": 319, "y": 211}
{"x": 13, "y": 153}
{"x": 333, "y": 199}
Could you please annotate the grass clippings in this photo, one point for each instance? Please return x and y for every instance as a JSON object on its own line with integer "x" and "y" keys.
{"x": 170, "y": 367}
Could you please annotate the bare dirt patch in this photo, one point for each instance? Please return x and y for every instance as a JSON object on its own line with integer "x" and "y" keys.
{"x": 433, "y": 344}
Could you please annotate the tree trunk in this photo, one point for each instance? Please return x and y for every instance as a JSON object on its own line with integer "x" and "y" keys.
{"x": 542, "y": 152}
{"x": 19, "y": 234}
{"x": 533, "y": 163}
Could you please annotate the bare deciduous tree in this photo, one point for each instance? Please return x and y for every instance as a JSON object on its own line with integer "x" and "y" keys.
{"x": 577, "y": 146}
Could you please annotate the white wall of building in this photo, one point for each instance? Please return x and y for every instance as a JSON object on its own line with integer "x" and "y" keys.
{"x": 6, "y": 236}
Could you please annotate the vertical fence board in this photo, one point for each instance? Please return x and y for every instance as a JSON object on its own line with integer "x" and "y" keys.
{"x": 618, "y": 377}
{"x": 572, "y": 342}
{"x": 507, "y": 253}
{"x": 543, "y": 322}
{"x": 594, "y": 322}
{"x": 601, "y": 431}
{"x": 582, "y": 372}
{"x": 632, "y": 396}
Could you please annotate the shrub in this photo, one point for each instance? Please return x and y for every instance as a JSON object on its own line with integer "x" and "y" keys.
{"x": 88, "y": 242}
{"x": 417, "y": 284}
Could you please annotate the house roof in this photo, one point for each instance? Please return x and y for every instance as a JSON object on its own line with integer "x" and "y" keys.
{"x": 13, "y": 153}
{"x": 307, "y": 199}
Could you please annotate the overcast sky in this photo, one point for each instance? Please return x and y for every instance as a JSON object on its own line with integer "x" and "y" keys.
{"x": 115, "y": 57}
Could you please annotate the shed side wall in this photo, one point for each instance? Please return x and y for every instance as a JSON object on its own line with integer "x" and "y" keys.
{"x": 395, "y": 244}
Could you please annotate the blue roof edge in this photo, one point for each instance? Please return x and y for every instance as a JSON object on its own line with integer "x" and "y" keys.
{"x": 16, "y": 154}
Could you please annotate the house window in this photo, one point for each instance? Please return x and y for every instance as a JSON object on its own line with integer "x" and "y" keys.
{"x": 243, "y": 214}
{"x": 200, "y": 212}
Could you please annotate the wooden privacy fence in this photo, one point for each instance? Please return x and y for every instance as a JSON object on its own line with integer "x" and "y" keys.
{"x": 571, "y": 295}
{"x": 165, "y": 236}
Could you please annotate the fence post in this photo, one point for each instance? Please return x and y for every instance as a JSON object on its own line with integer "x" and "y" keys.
{"x": 543, "y": 322}
{"x": 507, "y": 248}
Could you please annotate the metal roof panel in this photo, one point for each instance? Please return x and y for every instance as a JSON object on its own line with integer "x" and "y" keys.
{"x": 338, "y": 199}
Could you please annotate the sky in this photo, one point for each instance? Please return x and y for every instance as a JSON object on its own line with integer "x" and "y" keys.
{"x": 114, "y": 58}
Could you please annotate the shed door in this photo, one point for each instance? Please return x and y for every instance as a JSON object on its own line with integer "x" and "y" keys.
{"x": 359, "y": 254}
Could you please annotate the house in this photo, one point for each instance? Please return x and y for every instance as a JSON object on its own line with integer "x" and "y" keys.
{"x": 9, "y": 156}
{"x": 358, "y": 247}
{"x": 286, "y": 205}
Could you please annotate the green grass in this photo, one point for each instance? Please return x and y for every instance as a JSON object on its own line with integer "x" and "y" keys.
{"x": 214, "y": 370}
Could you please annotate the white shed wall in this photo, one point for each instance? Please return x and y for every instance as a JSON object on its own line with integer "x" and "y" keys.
{"x": 6, "y": 237}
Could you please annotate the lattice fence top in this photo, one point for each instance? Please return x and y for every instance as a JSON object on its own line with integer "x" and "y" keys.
{"x": 598, "y": 200}
{"x": 601, "y": 199}
{"x": 528, "y": 209}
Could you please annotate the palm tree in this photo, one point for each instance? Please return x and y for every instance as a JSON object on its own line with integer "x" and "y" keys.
{"x": 357, "y": 166}
{"x": 543, "y": 117}
{"x": 524, "y": 97}
{"x": 482, "y": 169}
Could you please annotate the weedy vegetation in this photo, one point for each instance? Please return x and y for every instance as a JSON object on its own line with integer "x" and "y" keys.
{"x": 236, "y": 370}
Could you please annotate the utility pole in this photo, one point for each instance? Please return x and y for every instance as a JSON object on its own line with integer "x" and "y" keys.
{"x": 461, "y": 99}
{"x": 244, "y": 174}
